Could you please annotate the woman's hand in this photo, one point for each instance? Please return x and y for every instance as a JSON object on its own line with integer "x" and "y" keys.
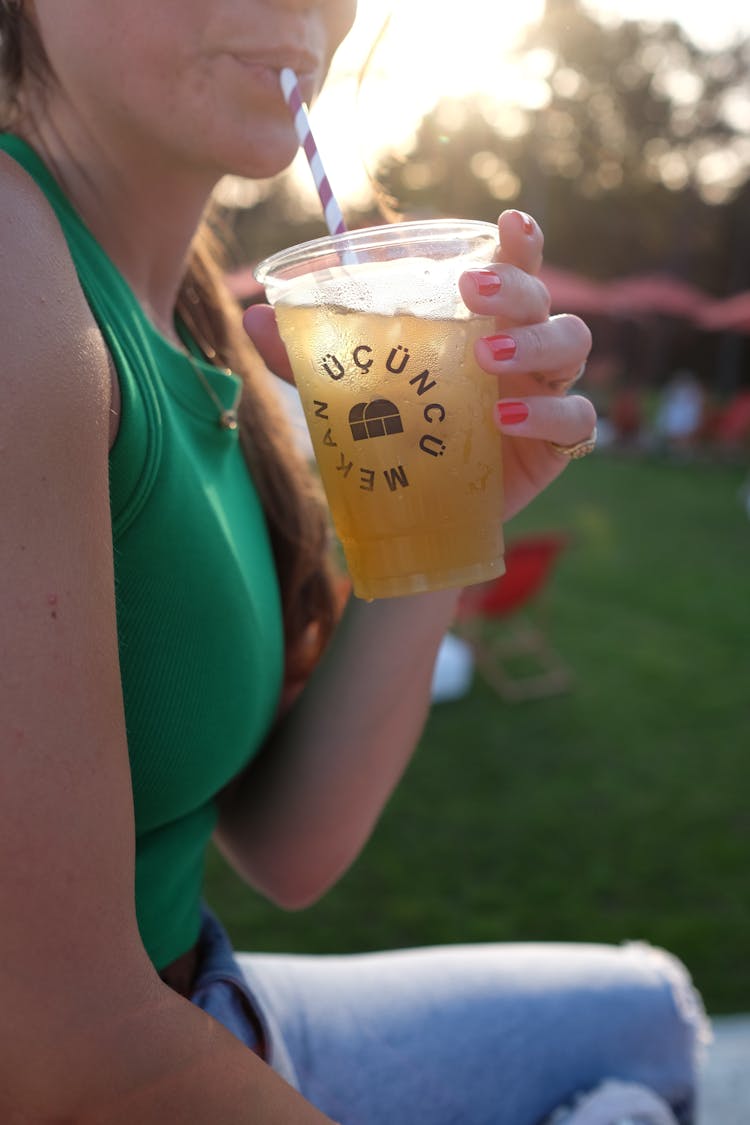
{"x": 537, "y": 358}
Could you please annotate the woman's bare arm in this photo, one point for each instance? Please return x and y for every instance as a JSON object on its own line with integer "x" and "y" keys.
{"x": 295, "y": 820}
{"x": 88, "y": 1033}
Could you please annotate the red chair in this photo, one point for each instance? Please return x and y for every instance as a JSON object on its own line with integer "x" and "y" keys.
{"x": 500, "y": 620}
{"x": 732, "y": 426}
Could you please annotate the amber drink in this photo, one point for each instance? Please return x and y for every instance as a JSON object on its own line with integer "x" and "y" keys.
{"x": 399, "y": 412}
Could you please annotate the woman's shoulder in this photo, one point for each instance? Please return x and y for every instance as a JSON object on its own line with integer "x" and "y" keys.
{"x": 34, "y": 246}
{"x": 52, "y": 347}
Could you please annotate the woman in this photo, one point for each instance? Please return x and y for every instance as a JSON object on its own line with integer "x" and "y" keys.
{"x": 165, "y": 598}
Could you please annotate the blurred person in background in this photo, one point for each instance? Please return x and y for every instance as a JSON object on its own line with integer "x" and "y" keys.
{"x": 680, "y": 412}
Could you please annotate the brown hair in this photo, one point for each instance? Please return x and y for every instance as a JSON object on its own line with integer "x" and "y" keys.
{"x": 292, "y": 502}
{"x": 21, "y": 52}
{"x": 289, "y": 493}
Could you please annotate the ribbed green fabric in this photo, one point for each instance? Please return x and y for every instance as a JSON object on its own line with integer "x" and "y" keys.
{"x": 198, "y": 608}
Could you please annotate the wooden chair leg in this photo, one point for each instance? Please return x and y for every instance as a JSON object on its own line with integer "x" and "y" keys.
{"x": 495, "y": 652}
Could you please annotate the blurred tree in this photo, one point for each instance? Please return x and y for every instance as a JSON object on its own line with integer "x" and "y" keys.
{"x": 634, "y": 144}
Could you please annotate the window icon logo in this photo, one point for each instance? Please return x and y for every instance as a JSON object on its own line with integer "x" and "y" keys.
{"x": 375, "y": 419}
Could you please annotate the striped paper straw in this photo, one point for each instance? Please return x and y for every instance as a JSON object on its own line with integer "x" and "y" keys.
{"x": 331, "y": 210}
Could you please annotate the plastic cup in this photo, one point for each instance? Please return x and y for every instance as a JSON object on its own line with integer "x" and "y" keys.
{"x": 399, "y": 412}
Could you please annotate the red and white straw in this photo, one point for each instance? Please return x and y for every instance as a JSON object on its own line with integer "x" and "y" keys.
{"x": 331, "y": 210}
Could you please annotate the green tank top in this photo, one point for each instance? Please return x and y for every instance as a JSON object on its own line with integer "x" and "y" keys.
{"x": 198, "y": 608}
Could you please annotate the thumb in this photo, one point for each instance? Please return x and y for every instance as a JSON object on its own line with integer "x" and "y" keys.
{"x": 259, "y": 321}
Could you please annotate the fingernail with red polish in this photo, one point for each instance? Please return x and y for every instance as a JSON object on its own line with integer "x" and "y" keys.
{"x": 501, "y": 346}
{"x": 486, "y": 282}
{"x": 510, "y": 413}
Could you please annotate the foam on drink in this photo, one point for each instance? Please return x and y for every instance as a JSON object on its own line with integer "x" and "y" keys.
{"x": 408, "y": 286}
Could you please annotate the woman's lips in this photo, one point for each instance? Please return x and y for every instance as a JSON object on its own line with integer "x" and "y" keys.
{"x": 265, "y": 74}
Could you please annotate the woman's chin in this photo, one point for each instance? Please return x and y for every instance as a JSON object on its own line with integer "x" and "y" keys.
{"x": 266, "y": 153}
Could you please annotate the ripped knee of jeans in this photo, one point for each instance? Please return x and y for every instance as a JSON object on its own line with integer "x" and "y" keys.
{"x": 687, "y": 999}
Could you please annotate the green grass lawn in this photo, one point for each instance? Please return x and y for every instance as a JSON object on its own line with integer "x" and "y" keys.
{"x": 618, "y": 811}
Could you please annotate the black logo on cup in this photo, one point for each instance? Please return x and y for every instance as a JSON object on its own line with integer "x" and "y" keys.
{"x": 378, "y": 418}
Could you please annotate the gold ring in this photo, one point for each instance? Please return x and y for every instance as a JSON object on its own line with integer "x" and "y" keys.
{"x": 579, "y": 449}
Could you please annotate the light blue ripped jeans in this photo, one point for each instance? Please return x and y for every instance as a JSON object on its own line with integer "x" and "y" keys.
{"x": 461, "y": 1035}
